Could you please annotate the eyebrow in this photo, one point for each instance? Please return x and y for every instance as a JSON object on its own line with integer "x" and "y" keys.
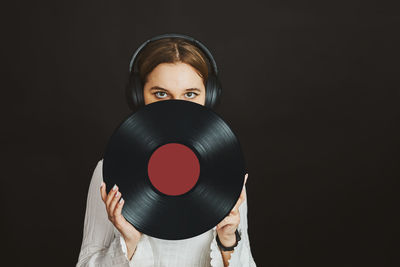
{"x": 160, "y": 88}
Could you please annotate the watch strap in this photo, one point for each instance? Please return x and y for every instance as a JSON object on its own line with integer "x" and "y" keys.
{"x": 223, "y": 248}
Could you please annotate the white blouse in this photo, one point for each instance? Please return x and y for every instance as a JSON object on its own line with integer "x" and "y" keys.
{"x": 103, "y": 245}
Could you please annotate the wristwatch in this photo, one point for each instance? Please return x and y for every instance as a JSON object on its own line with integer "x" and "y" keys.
{"x": 223, "y": 248}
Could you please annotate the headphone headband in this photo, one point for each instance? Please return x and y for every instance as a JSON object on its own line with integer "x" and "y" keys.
{"x": 175, "y": 35}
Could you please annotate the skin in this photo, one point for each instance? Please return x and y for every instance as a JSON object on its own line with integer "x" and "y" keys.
{"x": 171, "y": 81}
{"x": 174, "y": 81}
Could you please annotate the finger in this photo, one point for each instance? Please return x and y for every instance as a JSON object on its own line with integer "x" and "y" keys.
{"x": 242, "y": 197}
{"x": 227, "y": 228}
{"x": 117, "y": 212}
{"x": 103, "y": 191}
{"x": 222, "y": 224}
{"x": 118, "y": 207}
{"x": 110, "y": 195}
{"x": 234, "y": 211}
{"x": 230, "y": 219}
{"x": 235, "y": 208}
{"x": 240, "y": 200}
{"x": 114, "y": 202}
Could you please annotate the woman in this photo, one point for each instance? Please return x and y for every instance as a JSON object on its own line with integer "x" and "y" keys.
{"x": 168, "y": 67}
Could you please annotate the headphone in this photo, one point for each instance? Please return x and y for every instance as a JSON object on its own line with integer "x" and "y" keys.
{"x": 134, "y": 88}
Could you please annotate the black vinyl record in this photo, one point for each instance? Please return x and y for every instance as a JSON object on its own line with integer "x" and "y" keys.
{"x": 178, "y": 166}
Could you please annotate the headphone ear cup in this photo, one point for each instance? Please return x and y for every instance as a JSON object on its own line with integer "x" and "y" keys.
{"x": 218, "y": 92}
{"x": 138, "y": 97}
{"x": 129, "y": 92}
{"x": 213, "y": 91}
{"x": 134, "y": 92}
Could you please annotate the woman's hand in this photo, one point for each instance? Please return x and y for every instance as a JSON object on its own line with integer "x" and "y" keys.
{"x": 114, "y": 203}
{"x": 227, "y": 227}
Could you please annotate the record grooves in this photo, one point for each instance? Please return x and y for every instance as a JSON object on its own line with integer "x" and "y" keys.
{"x": 179, "y": 167}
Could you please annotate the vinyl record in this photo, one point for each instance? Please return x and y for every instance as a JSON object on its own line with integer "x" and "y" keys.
{"x": 178, "y": 166}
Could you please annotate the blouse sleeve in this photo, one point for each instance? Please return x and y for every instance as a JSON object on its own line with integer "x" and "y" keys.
{"x": 102, "y": 244}
{"x": 241, "y": 256}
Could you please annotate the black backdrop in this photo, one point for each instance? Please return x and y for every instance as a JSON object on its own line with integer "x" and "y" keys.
{"x": 310, "y": 87}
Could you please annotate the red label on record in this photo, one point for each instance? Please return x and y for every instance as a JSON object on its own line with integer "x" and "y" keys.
{"x": 173, "y": 169}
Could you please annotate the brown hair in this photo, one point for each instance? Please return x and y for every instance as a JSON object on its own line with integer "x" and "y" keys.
{"x": 171, "y": 50}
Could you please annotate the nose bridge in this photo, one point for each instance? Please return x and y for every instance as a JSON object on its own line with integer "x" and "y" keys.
{"x": 173, "y": 96}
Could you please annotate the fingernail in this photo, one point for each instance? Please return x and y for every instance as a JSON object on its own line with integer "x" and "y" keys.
{"x": 102, "y": 183}
{"x": 117, "y": 194}
{"x": 114, "y": 187}
{"x": 121, "y": 200}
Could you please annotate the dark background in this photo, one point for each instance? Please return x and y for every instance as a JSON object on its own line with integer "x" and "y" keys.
{"x": 310, "y": 87}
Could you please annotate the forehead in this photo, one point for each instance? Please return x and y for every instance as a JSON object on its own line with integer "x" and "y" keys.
{"x": 175, "y": 76}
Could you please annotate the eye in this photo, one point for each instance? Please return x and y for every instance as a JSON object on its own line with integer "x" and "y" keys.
{"x": 191, "y": 94}
{"x": 160, "y": 94}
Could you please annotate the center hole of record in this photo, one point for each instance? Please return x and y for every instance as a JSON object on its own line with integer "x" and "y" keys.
{"x": 173, "y": 169}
